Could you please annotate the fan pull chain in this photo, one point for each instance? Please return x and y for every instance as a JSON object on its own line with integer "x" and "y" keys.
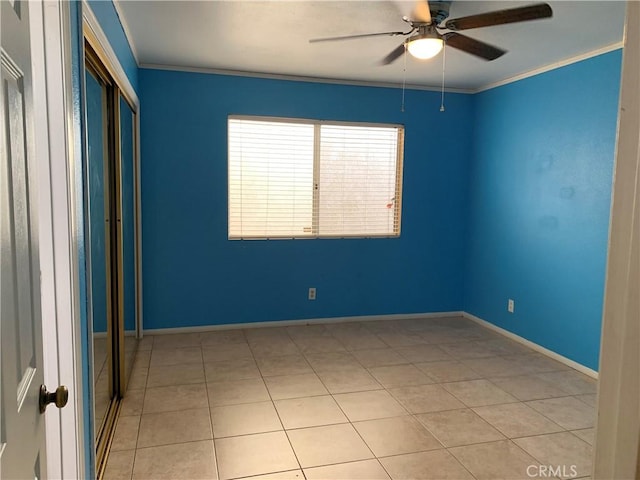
{"x": 404, "y": 77}
{"x": 444, "y": 61}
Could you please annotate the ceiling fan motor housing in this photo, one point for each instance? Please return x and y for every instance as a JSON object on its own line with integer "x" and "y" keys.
{"x": 425, "y": 31}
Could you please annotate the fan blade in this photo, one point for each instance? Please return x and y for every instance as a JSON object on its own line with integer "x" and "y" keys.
{"x": 352, "y": 37}
{"x": 394, "y": 55}
{"x": 421, "y": 12}
{"x": 472, "y": 46}
{"x": 499, "y": 17}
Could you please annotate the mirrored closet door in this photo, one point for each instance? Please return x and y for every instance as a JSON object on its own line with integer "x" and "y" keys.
{"x": 112, "y": 256}
{"x": 127, "y": 224}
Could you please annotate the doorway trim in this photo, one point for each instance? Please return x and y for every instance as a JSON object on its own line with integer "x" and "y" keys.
{"x": 617, "y": 446}
{"x": 57, "y": 224}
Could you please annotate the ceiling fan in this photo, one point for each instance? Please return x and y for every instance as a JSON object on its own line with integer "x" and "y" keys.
{"x": 431, "y": 29}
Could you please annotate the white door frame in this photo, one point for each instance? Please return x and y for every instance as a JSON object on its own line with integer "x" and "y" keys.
{"x": 59, "y": 263}
{"x": 617, "y": 448}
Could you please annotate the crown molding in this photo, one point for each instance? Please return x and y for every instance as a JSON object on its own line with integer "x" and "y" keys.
{"x": 299, "y": 78}
{"x": 92, "y": 25}
{"x": 551, "y": 66}
{"x": 127, "y": 30}
{"x": 364, "y": 83}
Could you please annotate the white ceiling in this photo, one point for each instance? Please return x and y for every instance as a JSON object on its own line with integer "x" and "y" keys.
{"x": 271, "y": 37}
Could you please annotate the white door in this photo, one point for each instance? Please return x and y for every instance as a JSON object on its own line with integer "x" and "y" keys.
{"x": 22, "y": 452}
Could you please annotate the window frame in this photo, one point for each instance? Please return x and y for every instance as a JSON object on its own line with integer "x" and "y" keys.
{"x": 317, "y": 124}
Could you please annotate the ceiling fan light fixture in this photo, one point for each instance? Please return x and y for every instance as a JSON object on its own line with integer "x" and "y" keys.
{"x": 425, "y": 47}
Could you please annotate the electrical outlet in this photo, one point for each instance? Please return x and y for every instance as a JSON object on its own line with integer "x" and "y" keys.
{"x": 511, "y": 306}
{"x": 312, "y": 293}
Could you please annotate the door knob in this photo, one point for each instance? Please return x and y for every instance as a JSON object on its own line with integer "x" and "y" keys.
{"x": 59, "y": 397}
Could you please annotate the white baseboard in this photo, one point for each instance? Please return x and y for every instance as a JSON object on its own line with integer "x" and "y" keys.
{"x": 307, "y": 321}
{"x": 534, "y": 346}
{"x": 127, "y": 333}
{"x": 368, "y": 318}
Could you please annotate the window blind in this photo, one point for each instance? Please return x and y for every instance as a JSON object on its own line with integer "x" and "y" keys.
{"x": 299, "y": 178}
{"x": 358, "y": 182}
{"x": 270, "y": 179}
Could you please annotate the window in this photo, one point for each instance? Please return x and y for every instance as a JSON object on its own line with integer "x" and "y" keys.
{"x": 309, "y": 179}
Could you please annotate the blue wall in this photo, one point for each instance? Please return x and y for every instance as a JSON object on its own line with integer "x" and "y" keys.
{"x": 540, "y": 193}
{"x": 108, "y": 18}
{"x": 193, "y": 275}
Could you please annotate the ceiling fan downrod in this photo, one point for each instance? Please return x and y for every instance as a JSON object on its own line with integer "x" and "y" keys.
{"x": 444, "y": 62}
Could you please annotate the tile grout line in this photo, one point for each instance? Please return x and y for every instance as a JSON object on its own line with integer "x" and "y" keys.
{"x": 213, "y": 436}
{"x": 135, "y": 455}
{"x": 277, "y": 413}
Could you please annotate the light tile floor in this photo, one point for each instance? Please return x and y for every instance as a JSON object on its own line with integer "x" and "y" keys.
{"x": 440, "y": 398}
